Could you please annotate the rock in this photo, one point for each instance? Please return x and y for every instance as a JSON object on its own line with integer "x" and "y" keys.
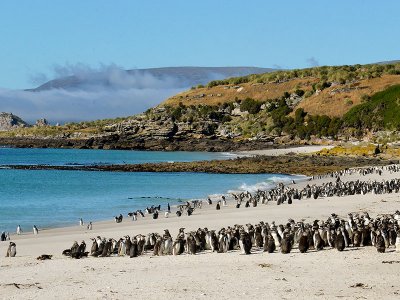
{"x": 8, "y": 121}
{"x": 42, "y": 123}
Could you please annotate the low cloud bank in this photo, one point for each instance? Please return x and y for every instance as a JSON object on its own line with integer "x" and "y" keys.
{"x": 59, "y": 105}
{"x": 107, "y": 92}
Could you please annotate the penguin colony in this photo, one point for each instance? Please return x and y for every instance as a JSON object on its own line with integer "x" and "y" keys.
{"x": 282, "y": 194}
{"x": 357, "y": 230}
{"x": 286, "y": 194}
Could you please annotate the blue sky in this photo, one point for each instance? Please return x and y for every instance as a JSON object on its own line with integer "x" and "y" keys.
{"x": 35, "y": 36}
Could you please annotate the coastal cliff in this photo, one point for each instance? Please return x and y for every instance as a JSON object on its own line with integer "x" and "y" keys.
{"x": 323, "y": 105}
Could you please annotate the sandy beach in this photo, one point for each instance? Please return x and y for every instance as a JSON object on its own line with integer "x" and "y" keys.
{"x": 352, "y": 274}
{"x": 283, "y": 151}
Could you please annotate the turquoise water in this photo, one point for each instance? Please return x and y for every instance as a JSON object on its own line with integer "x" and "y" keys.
{"x": 59, "y": 157}
{"x": 52, "y": 198}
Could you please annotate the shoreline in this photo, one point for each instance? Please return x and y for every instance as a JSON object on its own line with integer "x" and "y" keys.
{"x": 207, "y": 208}
{"x": 216, "y": 274}
{"x": 299, "y": 178}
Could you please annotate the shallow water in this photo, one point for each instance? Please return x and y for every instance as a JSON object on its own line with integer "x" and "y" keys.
{"x": 53, "y": 198}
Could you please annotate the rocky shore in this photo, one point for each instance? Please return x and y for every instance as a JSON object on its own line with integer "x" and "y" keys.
{"x": 284, "y": 164}
{"x": 121, "y": 142}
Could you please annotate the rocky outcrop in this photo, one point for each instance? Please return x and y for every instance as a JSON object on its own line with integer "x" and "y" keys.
{"x": 42, "y": 123}
{"x": 8, "y": 121}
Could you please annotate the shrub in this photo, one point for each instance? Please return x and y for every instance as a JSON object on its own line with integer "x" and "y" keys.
{"x": 250, "y": 105}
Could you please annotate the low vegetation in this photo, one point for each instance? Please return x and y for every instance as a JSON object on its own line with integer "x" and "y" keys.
{"x": 322, "y": 102}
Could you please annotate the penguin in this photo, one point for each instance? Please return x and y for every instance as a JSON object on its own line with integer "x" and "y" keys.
{"x": 218, "y": 207}
{"x": 157, "y": 246}
{"x": 35, "y": 230}
{"x": 340, "y": 241}
{"x": 140, "y": 244}
{"x": 191, "y": 244}
{"x": 318, "y": 242}
{"x": 12, "y": 250}
{"x": 82, "y": 247}
{"x": 19, "y": 230}
{"x": 122, "y": 248}
{"x": 94, "y": 247}
{"x": 74, "y": 248}
{"x": 81, "y": 222}
{"x": 380, "y": 242}
{"x": 245, "y": 243}
{"x": 155, "y": 215}
{"x": 178, "y": 213}
{"x": 166, "y": 214}
{"x": 258, "y": 240}
{"x": 134, "y": 249}
{"x": 90, "y": 226}
{"x": 398, "y": 241}
{"x": 178, "y": 247}
{"x": 128, "y": 244}
{"x": 303, "y": 243}
{"x": 167, "y": 246}
{"x": 286, "y": 244}
{"x": 271, "y": 247}
{"x": 107, "y": 250}
{"x": 357, "y": 238}
{"x": 168, "y": 208}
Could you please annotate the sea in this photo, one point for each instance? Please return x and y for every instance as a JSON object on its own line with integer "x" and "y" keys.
{"x": 53, "y": 198}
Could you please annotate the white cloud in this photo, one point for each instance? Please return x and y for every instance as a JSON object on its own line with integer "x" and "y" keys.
{"x": 104, "y": 93}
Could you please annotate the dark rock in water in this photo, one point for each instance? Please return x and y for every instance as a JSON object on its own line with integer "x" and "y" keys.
{"x": 9, "y": 121}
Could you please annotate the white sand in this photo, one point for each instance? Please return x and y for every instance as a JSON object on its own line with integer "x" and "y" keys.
{"x": 326, "y": 274}
{"x": 283, "y": 151}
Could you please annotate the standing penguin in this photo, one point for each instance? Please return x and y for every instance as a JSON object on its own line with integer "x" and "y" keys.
{"x": 90, "y": 226}
{"x": 224, "y": 201}
{"x": 245, "y": 242}
{"x": 12, "y": 250}
{"x": 318, "y": 242}
{"x": 191, "y": 244}
{"x": 339, "y": 241}
{"x": 357, "y": 238}
{"x": 286, "y": 244}
{"x": 397, "y": 240}
{"x": 157, "y": 246}
{"x": 271, "y": 247}
{"x": 303, "y": 243}
{"x": 35, "y": 230}
{"x": 81, "y": 222}
{"x": 134, "y": 249}
{"x": 94, "y": 247}
{"x": 380, "y": 242}
{"x": 19, "y": 230}
{"x": 218, "y": 207}
{"x": 107, "y": 250}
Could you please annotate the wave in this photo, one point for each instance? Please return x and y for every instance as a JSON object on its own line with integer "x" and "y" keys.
{"x": 270, "y": 183}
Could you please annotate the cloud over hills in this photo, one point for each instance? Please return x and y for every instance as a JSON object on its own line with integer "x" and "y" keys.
{"x": 83, "y": 93}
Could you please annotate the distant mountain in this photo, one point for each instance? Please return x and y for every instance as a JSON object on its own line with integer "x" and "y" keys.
{"x": 182, "y": 77}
